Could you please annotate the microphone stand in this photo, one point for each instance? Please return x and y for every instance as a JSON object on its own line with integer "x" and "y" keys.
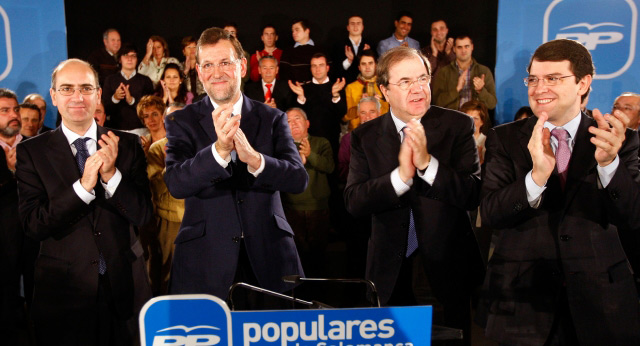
{"x": 375, "y": 299}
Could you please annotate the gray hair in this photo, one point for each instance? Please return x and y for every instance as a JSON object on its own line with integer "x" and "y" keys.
{"x": 304, "y": 114}
{"x": 369, "y": 99}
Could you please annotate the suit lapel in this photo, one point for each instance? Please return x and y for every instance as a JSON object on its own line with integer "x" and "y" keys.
{"x": 250, "y": 121}
{"x": 525, "y": 135}
{"x": 431, "y": 123}
{"x": 582, "y": 158}
{"x": 388, "y": 142}
{"x": 206, "y": 107}
{"x": 61, "y": 158}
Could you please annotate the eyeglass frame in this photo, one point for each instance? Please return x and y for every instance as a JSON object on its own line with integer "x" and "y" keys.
{"x": 73, "y": 90}
{"x": 409, "y": 84}
{"x": 546, "y": 80}
{"x": 224, "y": 66}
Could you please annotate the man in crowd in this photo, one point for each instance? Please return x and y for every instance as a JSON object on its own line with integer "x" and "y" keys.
{"x": 464, "y": 79}
{"x": 99, "y": 115}
{"x": 90, "y": 279}
{"x": 415, "y": 172}
{"x": 274, "y": 93}
{"x": 294, "y": 62}
{"x": 308, "y": 212}
{"x": 39, "y": 101}
{"x": 400, "y": 36}
{"x": 557, "y": 185}
{"x": 323, "y": 101}
{"x": 30, "y": 119}
{"x": 629, "y": 104}
{"x": 104, "y": 59}
{"x": 347, "y": 54}
{"x": 269, "y": 38}
{"x": 440, "y": 50}
{"x": 365, "y": 86}
{"x": 231, "y": 189}
{"x": 11, "y": 234}
{"x": 368, "y": 108}
{"x": 123, "y": 90}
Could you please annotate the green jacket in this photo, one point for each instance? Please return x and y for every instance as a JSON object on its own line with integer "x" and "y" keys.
{"x": 444, "y": 86}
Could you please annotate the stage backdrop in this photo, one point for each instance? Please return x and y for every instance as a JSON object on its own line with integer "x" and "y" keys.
{"x": 33, "y": 41}
{"x": 608, "y": 28}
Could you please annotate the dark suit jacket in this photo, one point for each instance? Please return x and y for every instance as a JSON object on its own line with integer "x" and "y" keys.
{"x": 337, "y": 70}
{"x": 123, "y": 115}
{"x": 446, "y": 241}
{"x": 569, "y": 243}
{"x": 222, "y": 205}
{"x": 72, "y": 235}
{"x": 281, "y": 93}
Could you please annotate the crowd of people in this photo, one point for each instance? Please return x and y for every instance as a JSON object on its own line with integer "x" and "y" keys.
{"x": 178, "y": 176}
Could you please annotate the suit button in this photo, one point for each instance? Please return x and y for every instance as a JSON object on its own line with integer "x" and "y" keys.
{"x": 236, "y": 239}
{"x": 614, "y": 195}
{"x": 240, "y": 201}
{"x": 404, "y": 225}
{"x": 517, "y": 206}
{"x": 97, "y": 234}
{"x": 565, "y": 237}
{"x": 94, "y": 262}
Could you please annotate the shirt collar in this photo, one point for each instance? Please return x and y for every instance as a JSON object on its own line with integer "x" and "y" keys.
{"x": 264, "y": 84}
{"x": 125, "y": 76}
{"x": 315, "y": 81}
{"x": 397, "y": 122}
{"x": 92, "y": 132}
{"x": 237, "y": 107}
{"x": 310, "y": 42}
{"x": 571, "y": 126}
{"x": 15, "y": 143}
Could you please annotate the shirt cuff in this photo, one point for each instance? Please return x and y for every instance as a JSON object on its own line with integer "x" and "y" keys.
{"x": 398, "y": 185}
{"x": 336, "y": 100}
{"x": 301, "y": 101}
{"x": 534, "y": 192}
{"x": 222, "y": 162}
{"x": 260, "y": 169}
{"x": 114, "y": 100}
{"x": 133, "y": 100}
{"x": 429, "y": 175}
{"x": 346, "y": 64}
{"x": 85, "y": 196}
{"x": 607, "y": 172}
{"x": 112, "y": 185}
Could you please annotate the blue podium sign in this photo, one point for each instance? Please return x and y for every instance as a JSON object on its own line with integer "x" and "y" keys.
{"x": 608, "y": 29}
{"x": 205, "y": 320}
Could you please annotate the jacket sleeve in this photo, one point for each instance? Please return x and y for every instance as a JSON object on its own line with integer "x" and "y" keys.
{"x": 488, "y": 94}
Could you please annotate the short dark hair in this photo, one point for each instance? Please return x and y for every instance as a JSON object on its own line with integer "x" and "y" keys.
{"x": 213, "y": 35}
{"x": 526, "y": 111}
{"x": 579, "y": 58}
{"x": 354, "y": 15}
{"x": 268, "y": 26}
{"x": 320, "y": 55}
{"x": 394, "y": 56}
{"x": 475, "y": 105}
{"x": 404, "y": 14}
{"x": 303, "y": 22}
{"x": 187, "y": 41}
{"x": 32, "y": 107}
{"x": 367, "y": 52}
{"x": 125, "y": 49}
{"x": 8, "y": 94}
{"x": 462, "y": 37}
{"x": 232, "y": 24}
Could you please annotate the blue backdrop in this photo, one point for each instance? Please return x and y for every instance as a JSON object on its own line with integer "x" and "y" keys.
{"x": 608, "y": 28}
{"x": 33, "y": 41}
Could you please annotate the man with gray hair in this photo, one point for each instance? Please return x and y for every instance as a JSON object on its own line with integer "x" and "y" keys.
{"x": 104, "y": 59}
{"x": 415, "y": 172}
{"x": 274, "y": 93}
{"x": 368, "y": 108}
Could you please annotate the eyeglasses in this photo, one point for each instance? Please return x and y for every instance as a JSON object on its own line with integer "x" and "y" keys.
{"x": 406, "y": 84}
{"x": 6, "y": 110}
{"x": 533, "y": 81}
{"x": 84, "y": 90}
{"x": 224, "y": 66}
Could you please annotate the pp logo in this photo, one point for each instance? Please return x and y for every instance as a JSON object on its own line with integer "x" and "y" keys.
{"x": 6, "y": 61}
{"x": 185, "y": 320}
{"x": 606, "y": 28}
{"x": 189, "y": 339}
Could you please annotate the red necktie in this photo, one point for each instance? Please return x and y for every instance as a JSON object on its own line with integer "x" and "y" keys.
{"x": 267, "y": 96}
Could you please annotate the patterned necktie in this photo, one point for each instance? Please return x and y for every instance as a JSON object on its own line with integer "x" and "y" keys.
{"x": 267, "y": 96}
{"x": 563, "y": 153}
{"x": 412, "y": 238}
{"x": 82, "y": 154}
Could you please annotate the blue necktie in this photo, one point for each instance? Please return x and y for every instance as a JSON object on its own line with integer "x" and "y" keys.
{"x": 82, "y": 154}
{"x": 412, "y": 238}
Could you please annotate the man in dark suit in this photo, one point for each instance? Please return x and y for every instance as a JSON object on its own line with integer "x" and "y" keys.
{"x": 346, "y": 55}
{"x": 229, "y": 157}
{"x": 558, "y": 185}
{"x": 276, "y": 94}
{"x": 415, "y": 170}
{"x": 90, "y": 280}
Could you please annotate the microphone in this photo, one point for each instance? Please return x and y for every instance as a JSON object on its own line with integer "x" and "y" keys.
{"x": 297, "y": 279}
{"x": 313, "y": 305}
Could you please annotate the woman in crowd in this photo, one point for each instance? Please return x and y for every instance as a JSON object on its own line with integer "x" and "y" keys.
{"x": 172, "y": 88}
{"x": 155, "y": 59}
{"x": 478, "y": 111}
{"x": 151, "y": 111}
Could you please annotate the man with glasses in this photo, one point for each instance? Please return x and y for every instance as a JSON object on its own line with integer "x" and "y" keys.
{"x": 229, "y": 157}
{"x": 123, "y": 90}
{"x": 560, "y": 186}
{"x": 83, "y": 191}
{"x": 415, "y": 172}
